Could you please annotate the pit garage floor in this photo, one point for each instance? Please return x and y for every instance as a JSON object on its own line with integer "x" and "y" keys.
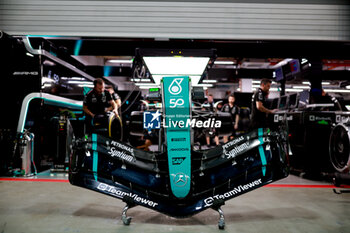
{"x": 51, "y": 204}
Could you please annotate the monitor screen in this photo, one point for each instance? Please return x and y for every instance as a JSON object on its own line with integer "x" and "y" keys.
{"x": 198, "y": 93}
{"x": 279, "y": 74}
{"x": 294, "y": 66}
{"x": 283, "y": 102}
{"x": 154, "y": 94}
{"x": 292, "y": 103}
{"x": 274, "y": 103}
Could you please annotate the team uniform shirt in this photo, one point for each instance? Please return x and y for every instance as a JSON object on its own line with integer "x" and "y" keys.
{"x": 258, "y": 118}
{"x": 209, "y": 106}
{"x": 97, "y": 103}
{"x": 234, "y": 111}
{"x": 115, "y": 96}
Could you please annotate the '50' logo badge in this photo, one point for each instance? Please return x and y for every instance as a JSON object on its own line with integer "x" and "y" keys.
{"x": 176, "y": 102}
{"x": 175, "y": 86}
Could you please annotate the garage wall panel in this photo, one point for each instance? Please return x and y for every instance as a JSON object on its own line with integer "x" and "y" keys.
{"x": 168, "y": 19}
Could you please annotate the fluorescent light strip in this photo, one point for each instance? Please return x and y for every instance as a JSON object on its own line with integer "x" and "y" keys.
{"x": 259, "y": 81}
{"x": 300, "y": 87}
{"x": 293, "y": 90}
{"x": 73, "y": 78}
{"x": 147, "y": 87}
{"x": 276, "y": 89}
{"x": 308, "y": 83}
{"x": 271, "y": 89}
{"x": 203, "y": 85}
{"x": 337, "y": 90}
{"x": 257, "y": 86}
{"x": 140, "y": 80}
{"x": 209, "y": 81}
{"x": 223, "y": 62}
{"x": 86, "y": 85}
{"x": 147, "y": 84}
{"x": 120, "y": 61}
{"x": 80, "y": 82}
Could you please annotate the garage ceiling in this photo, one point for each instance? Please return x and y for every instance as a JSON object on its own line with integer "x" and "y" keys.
{"x": 248, "y": 58}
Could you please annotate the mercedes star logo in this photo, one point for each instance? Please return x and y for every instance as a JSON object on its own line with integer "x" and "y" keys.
{"x": 180, "y": 179}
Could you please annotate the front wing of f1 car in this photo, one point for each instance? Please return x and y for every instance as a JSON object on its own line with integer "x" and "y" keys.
{"x": 142, "y": 178}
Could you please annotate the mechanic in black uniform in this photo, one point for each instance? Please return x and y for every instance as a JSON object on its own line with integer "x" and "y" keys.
{"x": 115, "y": 96}
{"x": 259, "y": 111}
{"x": 209, "y": 105}
{"x": 116, "y": 99}
{"x": 234, "y": 110}
{"x": 96, "y": 103}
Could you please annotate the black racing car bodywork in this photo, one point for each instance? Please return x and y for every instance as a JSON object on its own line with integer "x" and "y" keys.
{"x": 141, "y": 178}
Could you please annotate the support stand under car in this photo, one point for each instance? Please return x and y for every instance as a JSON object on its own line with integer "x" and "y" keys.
{"x": 24, "y": 147}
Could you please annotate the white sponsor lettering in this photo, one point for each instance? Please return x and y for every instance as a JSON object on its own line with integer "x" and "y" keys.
{"x": 176, "y": 102}
{"x": 118, "y": 193}
{"x": 120, "y": 154}
{"x": 236, "y": 150}
{"x": 194, "y": 123}
{"x": 233, "y": 142}
{"x": 121, "y": 146}
{"x": 278, "y": 118}
{"x": 210, "y": 200}
{"x": 25, "y": 73}
{"x": 318, "y": 118}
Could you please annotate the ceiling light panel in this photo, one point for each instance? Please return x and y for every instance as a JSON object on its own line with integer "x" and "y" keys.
{"x": 170, "y": 66}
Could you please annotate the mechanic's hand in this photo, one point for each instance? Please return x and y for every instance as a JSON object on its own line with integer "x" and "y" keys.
{"x": 115, "y": 112}
{"x": 274, "y": 111}
{"x": 236, "y": 126}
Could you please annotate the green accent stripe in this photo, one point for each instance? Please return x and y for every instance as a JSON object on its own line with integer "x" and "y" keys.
{"x": 64, "y": 104}
{"x": 94, "y": 141}
{"x": 94, "y": 155}
{"x": 261, "y": 150}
